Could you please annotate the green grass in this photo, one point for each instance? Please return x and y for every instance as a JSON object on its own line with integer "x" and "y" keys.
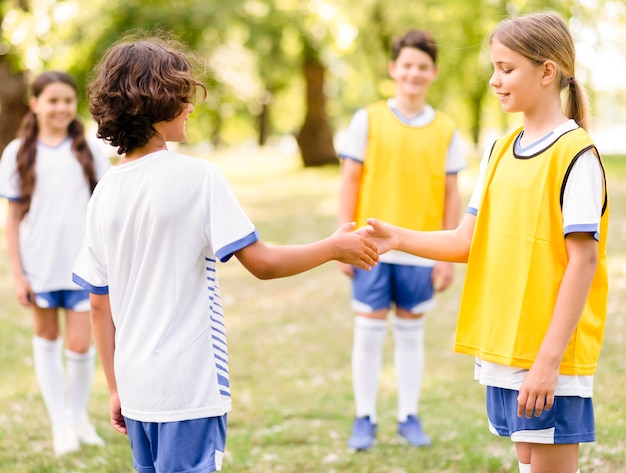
{"x": 290, "y": 343}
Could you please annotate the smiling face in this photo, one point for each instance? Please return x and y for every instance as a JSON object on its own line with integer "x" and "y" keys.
{"x": 55, "y": 107}
{"x": 518, "y": 82}
{"x": 413, "y": 72}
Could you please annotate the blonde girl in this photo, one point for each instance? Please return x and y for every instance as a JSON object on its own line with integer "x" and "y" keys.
{"x": 533, "y": 307}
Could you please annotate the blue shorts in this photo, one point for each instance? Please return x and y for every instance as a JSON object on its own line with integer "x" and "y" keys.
{"x": 195, "y": 445}
{"x": 569, "y": 420}
{"x": 72, "y": 300}
{"x": 408, "y": 287}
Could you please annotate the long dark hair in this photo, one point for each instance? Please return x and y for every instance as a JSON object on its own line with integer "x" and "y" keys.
{"x": 29, "y": 130}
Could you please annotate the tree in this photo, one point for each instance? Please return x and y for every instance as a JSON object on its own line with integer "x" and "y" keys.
{"x": 14, "y": 82}
{"x": 315, "y": 138}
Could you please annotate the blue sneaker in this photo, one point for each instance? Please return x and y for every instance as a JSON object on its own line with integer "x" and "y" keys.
{"x": 411, "y": 431}
{"x": 363, "y": 434}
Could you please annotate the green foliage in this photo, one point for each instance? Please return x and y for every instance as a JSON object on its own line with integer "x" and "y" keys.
{"x": 252, "y": 51}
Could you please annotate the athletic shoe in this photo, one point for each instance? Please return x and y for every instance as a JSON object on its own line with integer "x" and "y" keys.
{"x": 65, "y": 440}
{"x": 363, "y": 434}
{"x": 411, "y": 431}
{"x": 87, "y": 434}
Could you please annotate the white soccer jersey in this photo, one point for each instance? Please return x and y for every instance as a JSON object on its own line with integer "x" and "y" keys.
{"x": 52, "y": 231}
{"x": 155, "y": 228}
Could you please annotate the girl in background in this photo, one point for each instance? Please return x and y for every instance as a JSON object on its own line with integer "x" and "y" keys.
{"x": 48, "y": 174}
{"x": 533, "y": 307}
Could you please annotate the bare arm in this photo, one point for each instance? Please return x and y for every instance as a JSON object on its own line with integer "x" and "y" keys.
{"x": 104, "y": 335}
{"x": 348, "y": 195}
{"x": 269, "y": 262}
{"x": 441, "y": 245}
{"x": 443, "y": 272}
{"x": 23, "y": 290}
{"x": 537, "y": 391}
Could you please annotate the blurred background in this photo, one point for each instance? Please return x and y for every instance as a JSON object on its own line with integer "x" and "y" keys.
{"x": 291, "y": 73}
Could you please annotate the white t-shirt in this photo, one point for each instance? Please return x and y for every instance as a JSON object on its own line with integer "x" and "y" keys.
{"x": 354, "y": 147}
{"x": 582, "y": 210}
{"x": 155, "y": 230}
{"x": 51, "y": 233}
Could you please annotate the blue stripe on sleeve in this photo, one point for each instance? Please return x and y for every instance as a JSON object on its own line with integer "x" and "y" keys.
{"x": 351, "y": 158}
{"x": 90, "y": 287}
{"x": 225, "y": 253}
{"x": 11, "y": 198}
{"x": 472, "y": 211}
{"x": 583, "y": 228}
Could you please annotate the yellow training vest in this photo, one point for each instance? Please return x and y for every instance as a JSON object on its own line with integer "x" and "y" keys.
{"x": 404, "y": 172}
{"x": 518, "y": 257}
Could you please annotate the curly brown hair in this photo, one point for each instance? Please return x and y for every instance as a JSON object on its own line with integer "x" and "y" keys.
{"x": 29, "y": 130}
{"x": 136, "y": 84}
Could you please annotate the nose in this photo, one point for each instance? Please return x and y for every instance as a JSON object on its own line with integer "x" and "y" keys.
{"x": 493, "y": 80}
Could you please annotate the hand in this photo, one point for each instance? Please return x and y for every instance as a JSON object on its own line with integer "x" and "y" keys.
{"x": 117, "y": 419}
{"x": 353, "y": 248}
{"x": 346, "y": 269}
{"x": 23, "y": 291}
{"x": 381, "y": 233}
{"x": 443, "y": 274}
{"x": 537, "y": 391}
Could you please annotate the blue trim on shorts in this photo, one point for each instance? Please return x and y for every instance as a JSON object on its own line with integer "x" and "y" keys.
{"x": 404, "y": 285}
{"x": 65, "y": 299}
{"x": 570, "y": 419}
{"x": 182, "y": 446}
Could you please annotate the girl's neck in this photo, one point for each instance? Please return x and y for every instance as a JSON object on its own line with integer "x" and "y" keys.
{"x": 52, "y": 138}
{"x": 542, "y": 121}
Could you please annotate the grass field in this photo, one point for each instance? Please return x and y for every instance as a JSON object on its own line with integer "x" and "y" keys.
{"x": 290, "y": 344}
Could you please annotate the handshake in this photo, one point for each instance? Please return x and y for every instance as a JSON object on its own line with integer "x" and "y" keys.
{"x": 361, "y": 247}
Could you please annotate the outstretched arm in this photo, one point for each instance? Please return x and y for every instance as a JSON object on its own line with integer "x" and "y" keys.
{"x": 443, "y": 272}
{"x": 269, "y": 262}
{"x": 442, "y": 245}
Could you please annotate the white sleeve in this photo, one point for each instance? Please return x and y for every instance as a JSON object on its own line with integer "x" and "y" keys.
{"x": 101, "y": 160}
{"x": 90, "y": 271}
{"x": 355, "y": 141}
{"x": 455, "y": 161}
{"x": 228, "y": 227}
{"x": 474, "y": 202}
{"x": 9, "y": 180}
{"x": 583, "y": 197}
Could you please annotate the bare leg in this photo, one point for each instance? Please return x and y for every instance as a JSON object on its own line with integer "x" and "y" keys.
{"x": 549, "y": 458}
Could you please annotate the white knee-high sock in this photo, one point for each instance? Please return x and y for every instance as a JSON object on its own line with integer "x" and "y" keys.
{"x": 524, "y": 467}
{"x": 408, "y": 337}
{"x": 80, "y": 370}
{"x": 367, "y": 360}
{"x": 48, "y": 362}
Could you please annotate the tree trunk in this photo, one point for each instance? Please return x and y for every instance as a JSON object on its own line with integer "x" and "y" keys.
{"x": 12, "y": 102}
{"x": 315, "y": 138}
